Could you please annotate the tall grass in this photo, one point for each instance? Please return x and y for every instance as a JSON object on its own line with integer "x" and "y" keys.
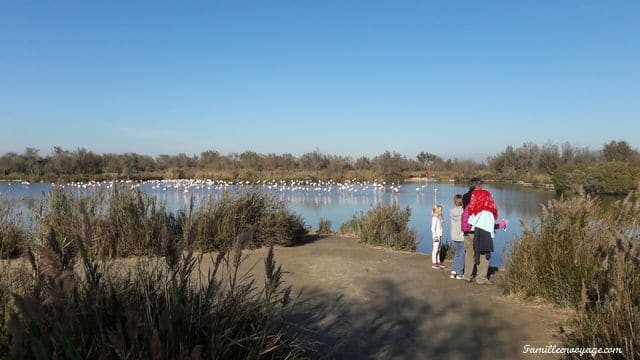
{"x": 127, "y": 222}
{"x": 78, "y": 303}
{"x": 135, "y": 224}
{"x": 219, "y": 222}
{"x": 13, "y": 236}
{"x": 385, "y": 225}
{"x": 324, "y": 226}
{"x": 161, "y": 309}
{"x": 351, "y": 226}
{"x": 578, "y": 256}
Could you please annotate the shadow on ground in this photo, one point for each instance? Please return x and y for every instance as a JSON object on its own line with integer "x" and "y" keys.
{"x": 308, "y": 239}
{"x": 311, "y": 238}
{"x": 389, "y": 324}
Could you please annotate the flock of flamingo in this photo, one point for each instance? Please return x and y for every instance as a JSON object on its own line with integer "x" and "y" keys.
{"x": 198, "y": 185}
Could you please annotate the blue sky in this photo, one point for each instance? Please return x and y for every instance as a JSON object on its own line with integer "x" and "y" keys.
{"x": 456, "y": 78}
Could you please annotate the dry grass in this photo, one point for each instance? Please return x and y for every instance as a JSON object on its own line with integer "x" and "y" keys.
{"x": 126, "y": 222}
{"x": 13, "y": 237}
{"x": 74, "y": 305}
{"x": 324, "y": 227}
{"x": 579, "y": 256}
{"x": 160, "y": 309}
{"x": 218, "y": 223}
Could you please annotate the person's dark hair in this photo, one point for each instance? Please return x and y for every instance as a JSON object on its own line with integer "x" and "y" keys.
{"x": 476, "y": 181}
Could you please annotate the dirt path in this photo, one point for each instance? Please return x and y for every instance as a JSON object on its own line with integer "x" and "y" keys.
{"x": 365, "y": 302}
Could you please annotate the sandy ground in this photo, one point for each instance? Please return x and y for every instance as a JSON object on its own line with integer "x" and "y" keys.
{"x": 365, "y": 302}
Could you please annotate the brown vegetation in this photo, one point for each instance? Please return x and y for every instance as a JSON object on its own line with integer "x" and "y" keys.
{"x": 126, "y": 222}
{"x": 164, "y": 308}
{"x": 581, "y": 257}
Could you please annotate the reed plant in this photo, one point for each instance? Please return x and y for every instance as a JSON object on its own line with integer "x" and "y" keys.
{"x": 135, "y": 224}
{"x": 78, "y": 302}
{"x": 219, "y": 222}
{"x": 384, "y": 225}
{"x": 174, "y": 307}
{"x": 351, "y": 226}
{"x": 58, "y": 212}
{"x": 577, "y": 255}
{"x": 13, "y": 236}
{"x": 127, "y": 222}
{"x": 324, "y": 226}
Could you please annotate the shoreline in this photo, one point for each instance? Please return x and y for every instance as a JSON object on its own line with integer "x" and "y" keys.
{"x": 524, "y": 184}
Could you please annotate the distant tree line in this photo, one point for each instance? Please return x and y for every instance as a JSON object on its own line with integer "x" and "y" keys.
{"x": 85, "y": 164}
{"x": 613, "y": 169}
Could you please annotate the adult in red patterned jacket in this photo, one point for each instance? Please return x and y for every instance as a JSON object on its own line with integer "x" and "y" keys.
{"x": 483, "y": 214}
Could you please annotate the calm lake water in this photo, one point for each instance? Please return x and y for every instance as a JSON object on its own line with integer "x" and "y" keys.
{"x": 337, "y": 202}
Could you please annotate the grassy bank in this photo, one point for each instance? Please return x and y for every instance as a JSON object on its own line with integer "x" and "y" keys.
{"x": 579, "y": 256}
{"x": 385, "y": 225}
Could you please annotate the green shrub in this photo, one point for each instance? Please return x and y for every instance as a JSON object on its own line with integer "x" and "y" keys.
{"x": 613, "y": 178}
{"x": 579, "y": 256}
{"x": 570, "y": 178}
{"x": 278, "y": 226}
{"x": 219, "y": 222}
{"x": 385, "y": 225}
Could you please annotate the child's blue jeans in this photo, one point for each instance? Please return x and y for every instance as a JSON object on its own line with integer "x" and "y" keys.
{"x": 458, "y": 257}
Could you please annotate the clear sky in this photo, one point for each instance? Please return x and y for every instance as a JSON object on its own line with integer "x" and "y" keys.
{"x": 456, "y": 78}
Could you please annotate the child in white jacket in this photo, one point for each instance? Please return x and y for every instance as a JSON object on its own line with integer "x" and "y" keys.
{"x": 436, "y": 233}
